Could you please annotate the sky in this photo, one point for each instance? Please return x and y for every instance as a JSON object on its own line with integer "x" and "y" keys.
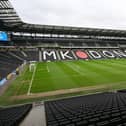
{"x": 110, "y": 14}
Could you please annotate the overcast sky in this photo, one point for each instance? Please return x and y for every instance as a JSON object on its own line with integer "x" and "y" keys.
{"x": 81, "y": 13}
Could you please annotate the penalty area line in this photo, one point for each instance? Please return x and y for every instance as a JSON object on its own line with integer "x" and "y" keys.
{"x": 31, "y": 82}
{"x": 47, "y": 68}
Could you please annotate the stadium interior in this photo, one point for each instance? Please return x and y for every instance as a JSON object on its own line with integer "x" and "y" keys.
{"x": 23, "y": 44}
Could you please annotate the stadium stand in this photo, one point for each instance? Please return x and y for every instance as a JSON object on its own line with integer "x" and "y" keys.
{"x": 8, "y": 62}
{"x": 14, "y": 115}
{"x": 27, "y": 54}
{"x": 103, "y": 109}
{"x": 11, "y": 59}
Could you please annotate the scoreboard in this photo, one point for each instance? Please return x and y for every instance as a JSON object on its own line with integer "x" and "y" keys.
{"x": 3, "y": 37}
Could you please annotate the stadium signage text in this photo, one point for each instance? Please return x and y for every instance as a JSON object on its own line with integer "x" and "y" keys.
{"x": 82, "y": 54}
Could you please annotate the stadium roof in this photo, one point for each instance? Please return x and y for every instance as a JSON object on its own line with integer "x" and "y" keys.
{"x": 10, "y": 21}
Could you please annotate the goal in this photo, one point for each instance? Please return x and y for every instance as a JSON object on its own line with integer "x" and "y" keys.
{"x": 32, "y": 67}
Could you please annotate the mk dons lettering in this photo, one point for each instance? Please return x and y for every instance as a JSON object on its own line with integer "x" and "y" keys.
{"x": 108, "y": 54}
{"x": 95, "y": 54}
{"x": 81, "y": 54}
{"x": 49, "y": 54}
{"x": 66, "y": 55}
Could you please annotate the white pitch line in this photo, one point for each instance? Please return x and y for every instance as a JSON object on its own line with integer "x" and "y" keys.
{"x": 47, "y": 68}
{"x": 30, "y": 85}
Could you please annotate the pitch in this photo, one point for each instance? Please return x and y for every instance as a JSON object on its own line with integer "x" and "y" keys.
{"x": 51, "y": 76}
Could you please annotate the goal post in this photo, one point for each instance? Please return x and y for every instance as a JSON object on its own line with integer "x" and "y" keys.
{"x": 32, "y": 66}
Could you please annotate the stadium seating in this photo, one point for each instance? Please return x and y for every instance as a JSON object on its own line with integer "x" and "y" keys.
{"x": 103, "y": 109}
{"x": 10, "y": 60}
{"x": 27, "y": 54}
{"x": 71, "y": 42}
{"x": 13, "y": 116}
{"x": 8, "y": 63}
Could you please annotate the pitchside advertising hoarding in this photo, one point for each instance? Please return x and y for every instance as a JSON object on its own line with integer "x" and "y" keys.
{"x": 52, "y": 55}
{"x": 3, "y": 36}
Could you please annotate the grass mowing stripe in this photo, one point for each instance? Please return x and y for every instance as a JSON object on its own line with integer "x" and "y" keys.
{"x": 82, "y": 72}
{"x": 114, "y": 65}
{"x": 70, "y": 74}
{"x": 107, "y": 75}
{"x": 84, "y": 76}
{"x": 40, "y": 83}
{"x": 60, "y": 73}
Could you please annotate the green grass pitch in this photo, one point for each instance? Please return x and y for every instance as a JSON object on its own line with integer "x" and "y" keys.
{"x": 50, "y": 76}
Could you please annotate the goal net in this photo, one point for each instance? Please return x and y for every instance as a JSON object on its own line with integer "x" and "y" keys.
{"x": 32, "y": 67}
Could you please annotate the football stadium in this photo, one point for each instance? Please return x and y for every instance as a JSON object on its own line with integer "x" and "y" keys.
{"x": 54, "y": 75}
